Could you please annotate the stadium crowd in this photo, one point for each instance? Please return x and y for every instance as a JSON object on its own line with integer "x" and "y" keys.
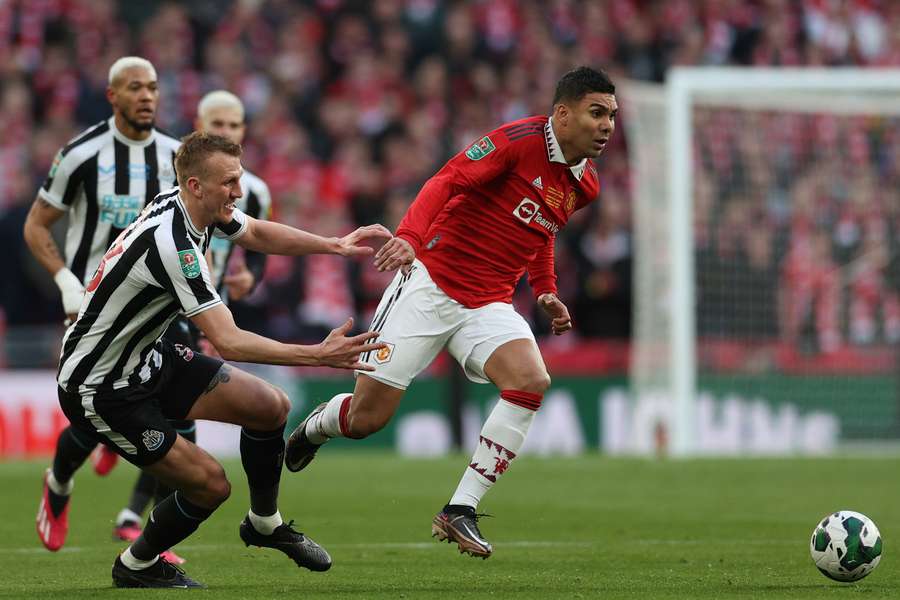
{"x": 352, "y": 105}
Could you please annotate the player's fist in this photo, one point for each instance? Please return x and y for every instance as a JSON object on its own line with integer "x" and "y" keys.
{"x": 560, "y": 321}
{"x": 395, "y": 253}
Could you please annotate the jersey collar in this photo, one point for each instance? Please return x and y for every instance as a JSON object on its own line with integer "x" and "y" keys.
{"x": 127, "y": 140}
{"x": 555, "y": 153}
{"x": 198, "y": 234}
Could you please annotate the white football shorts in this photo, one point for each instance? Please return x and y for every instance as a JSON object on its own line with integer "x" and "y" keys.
{"x": 416, "y": 319}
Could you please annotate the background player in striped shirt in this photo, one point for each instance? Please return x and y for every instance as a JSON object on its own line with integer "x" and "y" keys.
{"x": 121, "y": 381}
{"x": 102, "y": 180}
{"x": 490, "y": 214}
{"x": 222, "y": 113}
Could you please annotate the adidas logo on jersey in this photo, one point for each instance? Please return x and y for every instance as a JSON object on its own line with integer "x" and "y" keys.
{"x": 537, "y": 183}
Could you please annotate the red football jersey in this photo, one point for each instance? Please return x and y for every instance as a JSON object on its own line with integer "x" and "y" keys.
{"x": 493, "y": 211}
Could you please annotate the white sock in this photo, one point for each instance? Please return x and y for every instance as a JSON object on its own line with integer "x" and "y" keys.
{"x": 265, "y": 525}
{"x": 126, "y": 514}
{"x": 60, "y": 489}
{"x": 327, "y": 424}
{"x": 136, "y": 564}
{"x": 501, "y": 438}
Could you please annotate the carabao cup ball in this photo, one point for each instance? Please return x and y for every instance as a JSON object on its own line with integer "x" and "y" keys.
{"x": 846, "y": 546}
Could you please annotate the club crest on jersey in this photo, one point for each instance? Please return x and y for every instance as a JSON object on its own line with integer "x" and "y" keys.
{"x": 152, "y": 439}
{"x": 190, "y": 264}
{"x": 384, "y": 355}
{"x": 481, "y": 148}
{"x": 570, "y": 201}
{"x": 537, "y": 183}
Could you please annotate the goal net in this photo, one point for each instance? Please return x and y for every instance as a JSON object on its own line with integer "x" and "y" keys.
{"x": 767, "y": 275}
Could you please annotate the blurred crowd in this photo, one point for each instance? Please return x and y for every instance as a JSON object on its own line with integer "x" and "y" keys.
{"x": 797, "y": 227}
{"x": 352, "y": 105}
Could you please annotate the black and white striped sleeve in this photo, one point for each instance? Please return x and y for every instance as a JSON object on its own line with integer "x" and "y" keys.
{"x": 234, "y": 228}
{"x": 187, "y": 272}
{"x": 63, "y": 180}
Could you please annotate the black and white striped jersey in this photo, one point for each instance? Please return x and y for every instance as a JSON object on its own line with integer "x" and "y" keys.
{"x": 104, "y": 179}
{"x": 153, "y": 271}
{"x": 255, "y": 202}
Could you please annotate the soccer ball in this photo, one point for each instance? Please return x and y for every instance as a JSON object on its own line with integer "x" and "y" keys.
{"x": 846, "y": 546}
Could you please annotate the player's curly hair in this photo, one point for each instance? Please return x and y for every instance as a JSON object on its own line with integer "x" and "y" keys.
{"x": 190, "y": 160}
{"x": 584, "y": 80}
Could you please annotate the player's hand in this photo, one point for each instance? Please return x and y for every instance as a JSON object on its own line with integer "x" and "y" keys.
{"x": 395, "y": 253}
{"x": 349, "y": 244}
{"x": 560, "y": 321}
{"x": 342, "y": 352}
{"x": 239, "y": 283}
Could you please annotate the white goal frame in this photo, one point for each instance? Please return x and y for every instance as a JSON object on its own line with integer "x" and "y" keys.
{"x": 732, "y": 84}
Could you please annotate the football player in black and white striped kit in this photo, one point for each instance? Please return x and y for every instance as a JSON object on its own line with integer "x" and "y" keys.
{"x": 101, "y": 179}
{"x": 120, "y": 381}
{"x": 222, "y": 113}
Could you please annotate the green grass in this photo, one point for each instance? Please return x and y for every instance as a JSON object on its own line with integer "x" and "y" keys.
{"x": 591, "y": 527}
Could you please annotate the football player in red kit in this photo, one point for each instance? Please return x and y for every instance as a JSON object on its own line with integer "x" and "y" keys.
{"x": 490, "y": 214}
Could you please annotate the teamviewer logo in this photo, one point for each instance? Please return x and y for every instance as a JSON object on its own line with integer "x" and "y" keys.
{"x": 526, "y": 210}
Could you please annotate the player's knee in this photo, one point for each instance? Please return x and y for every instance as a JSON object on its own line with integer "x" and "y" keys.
{"x": 218, "y": 488}
{"x": 535, "y": 383}
{"x": 273, "y": 408}
{"x": 283, "y": 405}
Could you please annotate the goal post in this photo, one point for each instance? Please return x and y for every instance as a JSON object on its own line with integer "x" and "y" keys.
{"x": 758, "y": 162}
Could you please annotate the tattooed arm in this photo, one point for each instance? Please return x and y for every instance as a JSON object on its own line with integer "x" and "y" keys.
{"x": 40, "y": 219}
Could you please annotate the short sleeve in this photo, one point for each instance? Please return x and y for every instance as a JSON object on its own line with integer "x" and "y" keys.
{"x": 62, "y": 181}
{"x": 233, "y": 229}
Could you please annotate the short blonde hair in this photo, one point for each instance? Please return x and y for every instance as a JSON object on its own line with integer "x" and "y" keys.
{"x": 220, "y": 99}
{"x": 190, "y": 160}
{"x": 127, "y": 62}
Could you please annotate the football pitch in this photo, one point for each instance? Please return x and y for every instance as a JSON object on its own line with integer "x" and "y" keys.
{"x": 590, "y": 527}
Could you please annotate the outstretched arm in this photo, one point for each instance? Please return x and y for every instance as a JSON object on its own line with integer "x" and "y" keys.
{"x": 233, "y": 343}
{"x": 275, "y": 238}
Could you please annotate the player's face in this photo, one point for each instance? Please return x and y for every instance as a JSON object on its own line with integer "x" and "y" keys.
{"x": 225, "y": 121}
{"x": 221, "y": 186}
{"x": 135, "y": 95}
{"x": 590, "y": 123}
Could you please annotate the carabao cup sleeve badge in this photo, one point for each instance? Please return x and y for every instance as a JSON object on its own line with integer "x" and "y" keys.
{"x": 481, "y": 148}
{"x": 190, "y": 264}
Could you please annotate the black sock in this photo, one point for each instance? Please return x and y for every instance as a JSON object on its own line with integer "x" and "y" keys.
{"x": 143, "y": 491}
{"x": 170, "y": 522}
{"x": 262, "y": 454}
{"x": 72, "y": 449}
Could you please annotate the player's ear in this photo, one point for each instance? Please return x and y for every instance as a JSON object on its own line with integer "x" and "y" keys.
{"x": 561, "y": 113}
{"x": 193, "y": 185}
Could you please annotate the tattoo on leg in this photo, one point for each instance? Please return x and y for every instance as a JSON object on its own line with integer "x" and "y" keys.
{"x": 221, "y": 377}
